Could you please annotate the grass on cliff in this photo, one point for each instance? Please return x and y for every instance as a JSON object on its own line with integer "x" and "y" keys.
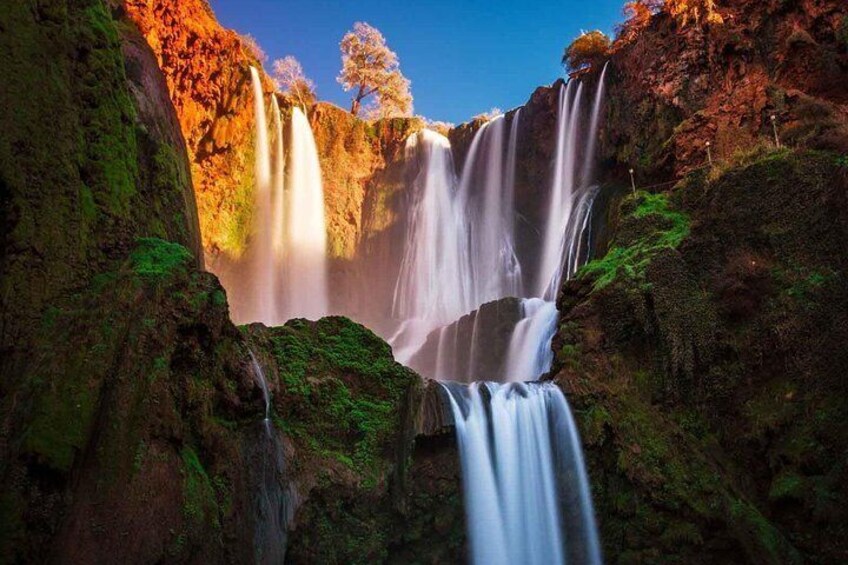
{"x": 630, "y": 260}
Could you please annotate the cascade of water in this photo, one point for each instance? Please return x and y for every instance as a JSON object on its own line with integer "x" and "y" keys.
{"x": 571, "y": 189}
{"x": 530, "y": 355}
{"x": 562, "y": 189}
{"x": 433, "y": 286}
{"x": 516, "y": 285}
{"x": 589, "y": 157}
{"x": 520, "y": 453}
{"x": 278, "y": 204}
{"x": 486, "y": 189}
{"x": 256, "y": 296}
{"x": 306, "y": 241}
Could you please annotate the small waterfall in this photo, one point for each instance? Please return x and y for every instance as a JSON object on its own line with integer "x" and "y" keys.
{"x": 272, "y": 504}
{"x": 529, "y": 355}
{"x": 570, "y": 188}
{"x": 284, "y": 271}
{"x": 589, "y": 159}
{"x": 306, "y": 241}
{"x": 433, "y": 279}
{"x": 527, "y": 496}
{"x": 278, "y": 225}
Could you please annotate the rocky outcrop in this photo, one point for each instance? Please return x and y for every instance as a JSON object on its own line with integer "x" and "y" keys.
{"x": 704, "y": 357}
{"x": 673, "y": 88}
{"x": 478, "y": 343}
{"x": 207, "y": 70}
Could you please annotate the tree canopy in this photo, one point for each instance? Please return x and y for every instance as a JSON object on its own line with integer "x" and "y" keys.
{"x": 290, "y": 78}
{"x": 370, "y": 68}
{"x": 586, "y": 51}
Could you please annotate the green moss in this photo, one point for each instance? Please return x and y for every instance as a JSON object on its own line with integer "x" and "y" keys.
{"x": 219, "y": 298}
{"x": 342, "y": 391}
{"x": 107, "y": 112}
{"x": 199, "y": 503}
{"x": 843, "y": 32}
{"x": 61, "y": 421}
{"x": 156, "y": 258}
{"x": 767, "y": 541}
{"x": 631, "y": 260}
{"x": 787, "y": 486}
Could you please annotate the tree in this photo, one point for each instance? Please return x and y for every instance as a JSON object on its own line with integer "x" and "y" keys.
{"x": 586, "y": 51}
{"x": 693, "y": 11}
{"x": 369, "y": 68}
{"x": 290, "y": 78}
{"x": 249, "y": 42}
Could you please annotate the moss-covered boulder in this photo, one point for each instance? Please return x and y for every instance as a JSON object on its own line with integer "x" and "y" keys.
{"x": 358, "y": 463}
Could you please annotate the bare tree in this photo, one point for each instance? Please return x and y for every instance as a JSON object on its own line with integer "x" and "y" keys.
{"x": 249, "y": 42}
{"x": 290, "y": 78}
{"x": 369, "y": 68}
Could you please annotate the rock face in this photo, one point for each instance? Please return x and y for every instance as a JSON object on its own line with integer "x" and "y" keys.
{"x": 207, "y": 70}
{"x": 479, "y": 343}
{"x": 705, "y": 358}
{"x": 673, "y": 89}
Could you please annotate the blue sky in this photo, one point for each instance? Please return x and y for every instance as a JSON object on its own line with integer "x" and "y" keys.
{"x": 463, "y": 57}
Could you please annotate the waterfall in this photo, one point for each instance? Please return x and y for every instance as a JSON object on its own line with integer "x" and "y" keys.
{"x": 278, "y": 200}
{"x": 529, "y": 355}
{"x": 526, "y": 492}
{"x": 273, "y": 507}
{"x": 433, "y": 286}
{"x": 571, "y": 189}
{"x": 256, "y": 298}
{"x": 433, "y": 279}
{"x": 460, "y": 250}
{"x": 589, "y": 160}
{"x": 486, "y": 188}
{"x": 306, "y": 241}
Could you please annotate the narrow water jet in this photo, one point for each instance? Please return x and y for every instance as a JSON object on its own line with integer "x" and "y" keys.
{"x": 306, "y": 231}
{"x": 272, "y": 504}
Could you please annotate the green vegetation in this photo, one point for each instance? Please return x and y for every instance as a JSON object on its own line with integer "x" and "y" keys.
{"x": 843, "y": 32}
{"x": 198, "y": 494}
{"x": 342, "y": 391}
{"x": 156, "y": 258}
{"x": 629, "y": 260}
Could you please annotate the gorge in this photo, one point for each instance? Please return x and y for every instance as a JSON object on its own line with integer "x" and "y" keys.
{"x": 585, "y": 339}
